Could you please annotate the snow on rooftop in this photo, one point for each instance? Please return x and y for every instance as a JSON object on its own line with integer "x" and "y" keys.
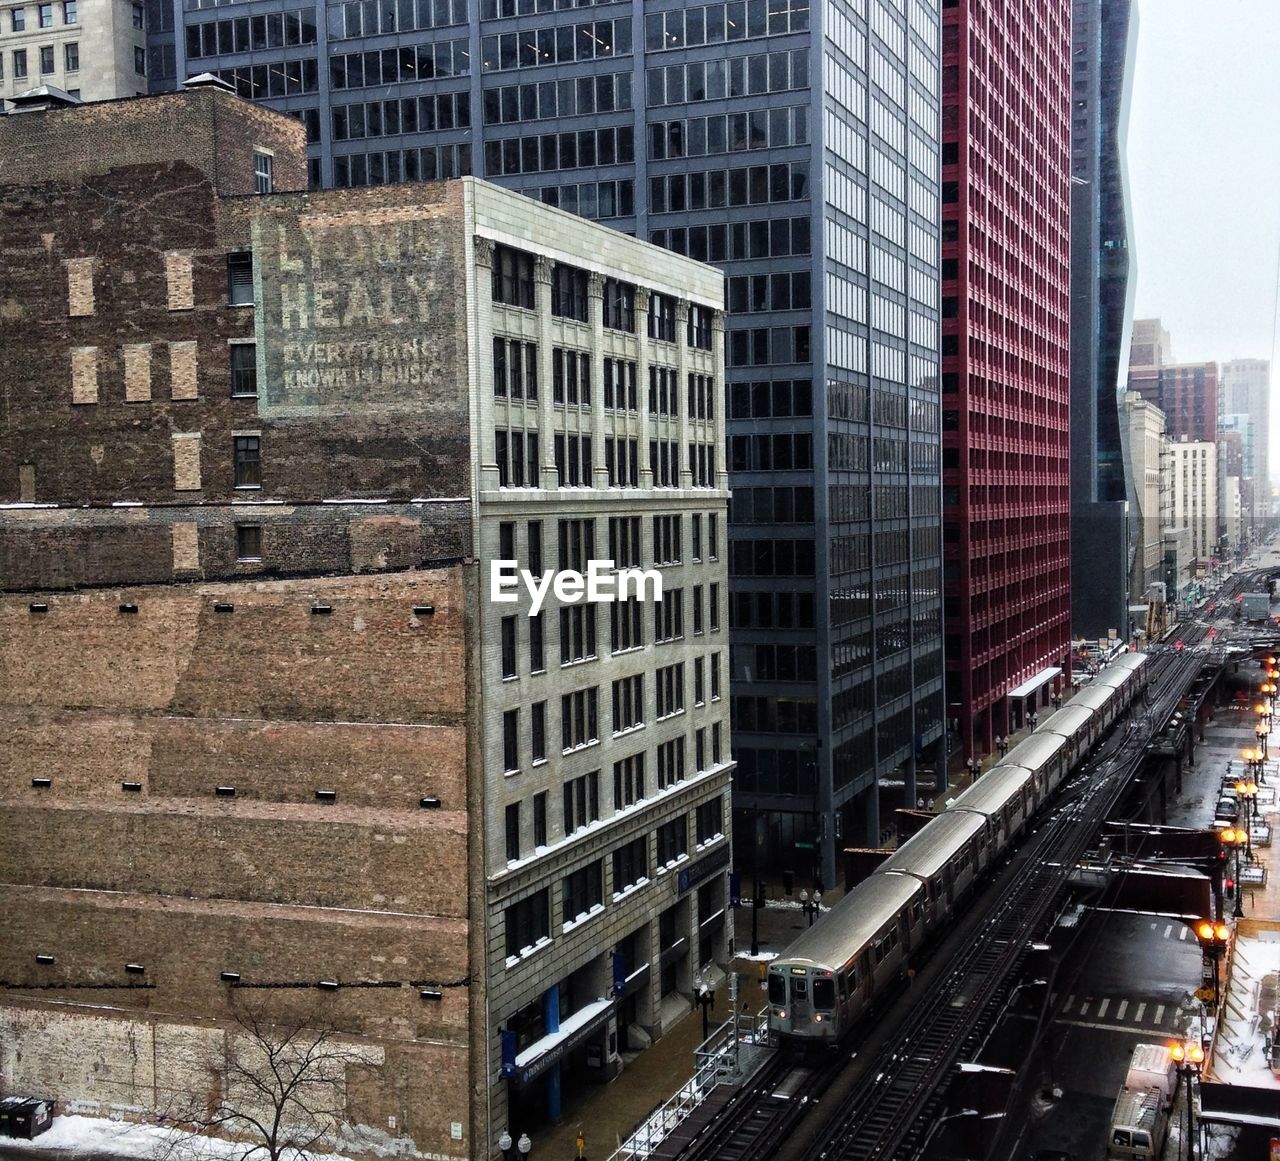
{"x": 1250, "y": 1012}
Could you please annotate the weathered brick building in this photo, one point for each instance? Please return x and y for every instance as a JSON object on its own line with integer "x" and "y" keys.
{"x": 260, "y": 724}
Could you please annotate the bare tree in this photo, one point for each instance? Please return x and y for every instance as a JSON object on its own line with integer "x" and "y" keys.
{"x": 275, "y": 1084}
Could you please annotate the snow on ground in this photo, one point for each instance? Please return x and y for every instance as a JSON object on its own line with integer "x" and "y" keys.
{"x": 74, "y": 1135}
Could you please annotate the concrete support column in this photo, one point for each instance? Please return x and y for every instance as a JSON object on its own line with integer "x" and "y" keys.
{"x": 483, "y": 374}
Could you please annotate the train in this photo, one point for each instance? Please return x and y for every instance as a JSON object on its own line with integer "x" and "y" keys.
{"x": 823, "y": 983}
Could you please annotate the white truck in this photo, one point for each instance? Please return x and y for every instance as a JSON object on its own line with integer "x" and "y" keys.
{"x": 1138, "y": 1125}
{"x": 1152, "y": 1066}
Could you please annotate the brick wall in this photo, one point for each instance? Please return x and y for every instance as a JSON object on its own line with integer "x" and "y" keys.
{"x": 367, "y": 701}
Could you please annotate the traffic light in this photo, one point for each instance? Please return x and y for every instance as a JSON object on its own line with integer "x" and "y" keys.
{"x": 1212, "y": 936}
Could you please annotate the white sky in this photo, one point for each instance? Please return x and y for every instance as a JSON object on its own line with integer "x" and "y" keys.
{"x": 1204, "y": 173}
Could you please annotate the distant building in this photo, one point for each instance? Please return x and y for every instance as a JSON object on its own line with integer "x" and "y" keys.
{"x": 1244, "y": 392}
{"x": 265, "y": 724}
{"x": 94, "y": 50}
{"x": 1143, "y": 434}
{"x": 1006, "y": 152}
{"x": 1103, "y": 39}
{"x": 1194, "y": 468}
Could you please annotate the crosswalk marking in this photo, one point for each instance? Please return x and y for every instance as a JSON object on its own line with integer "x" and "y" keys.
{"x": 1168, "y": 930}
{"x": 1159, "y": 1016}
{"x": 1071, "y": 1001}
{"x": 1139, "y": 1013}
{"x": 1184, "y": 932}
{"x": 1102, "y": 1008}
{"x": 1120, "y": 1011}
{"x": 1084, "y": 1008}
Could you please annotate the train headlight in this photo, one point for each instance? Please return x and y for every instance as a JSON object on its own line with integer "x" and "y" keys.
{"x": 781, "y": 1014}
{"x": 817, "y": 1017}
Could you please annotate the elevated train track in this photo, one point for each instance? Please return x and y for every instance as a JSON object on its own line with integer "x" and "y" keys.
{"x": 885, "y": 1102}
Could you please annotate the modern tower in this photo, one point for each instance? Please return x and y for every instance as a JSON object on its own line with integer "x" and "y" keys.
{"x": 1005, "y": 360}
{"x": 1244, "y": 391}
{"x": 1103, "y": 42}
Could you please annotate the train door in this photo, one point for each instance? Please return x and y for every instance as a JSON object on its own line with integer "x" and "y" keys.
{"x": 801, "y": 1001}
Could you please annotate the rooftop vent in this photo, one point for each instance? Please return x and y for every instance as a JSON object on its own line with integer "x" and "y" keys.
{"x": 207, "y": 81}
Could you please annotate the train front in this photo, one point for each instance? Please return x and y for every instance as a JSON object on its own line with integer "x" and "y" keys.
{"x": 802, "y": 1004}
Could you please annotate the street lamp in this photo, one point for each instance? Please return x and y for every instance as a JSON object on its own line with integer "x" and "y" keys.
{"x": 1188, "y": 1056}
{"x": 524, "y": 1146}
{"x": 706, "y": 997}
{"x": 1248, "y": 792}
{"x": 810, "y": 906}
{"x": 1233, "y": 837}
{"x": 1032, "y": 718}
{"x": 1002, "y": 744}
{"x": 974, "y": 767}
{"x": 505, "y": 1146}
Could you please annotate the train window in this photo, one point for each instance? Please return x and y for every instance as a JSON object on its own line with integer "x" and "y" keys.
{"x": 777, "y": 990}
{"x": 917, "y": 910}
{"x": 891, "y": 939}
{"x": 799, "y": 989}
{"x": 824, "y": 994}
{"x": 844, "y": 986}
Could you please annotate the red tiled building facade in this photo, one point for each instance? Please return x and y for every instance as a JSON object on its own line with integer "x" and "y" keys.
{"x": 1005, "y": 361}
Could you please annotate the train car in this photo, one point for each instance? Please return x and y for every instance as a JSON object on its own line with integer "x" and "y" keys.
{"x": 829, "y": 975}
{"x": 946, "y": 856}
{"x": 1006, "y": 795}
{"x": 1043, "y": 754}
{"x": 1078, "y": 726}
{"x": 1103, "y": 700}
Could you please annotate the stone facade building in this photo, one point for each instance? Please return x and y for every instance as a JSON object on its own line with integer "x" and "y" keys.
{"x": 95, "y": 50}
{"x": 263, "y": 731}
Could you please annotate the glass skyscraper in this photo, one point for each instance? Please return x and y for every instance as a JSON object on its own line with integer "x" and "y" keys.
{"x": 795, "y": 147}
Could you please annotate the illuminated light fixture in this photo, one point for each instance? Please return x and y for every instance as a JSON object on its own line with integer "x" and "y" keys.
{"x": 328, "y": 985}
{"x": 424, "y": 610}
{"x": 321, "y": 610}
{"x": 327, "y": 795}
{"x": 229, "y": 977}
{"x": 132, "y": 786}
{"x": 128, "y": 607}
{"x": 431, "y": 994}
{"x": 41, "y": 783}
{"x": 429, "y": 803}
{"x": 44, "y": 959}
{"x": 134, "y": 969}
{"x": 223, "y": 607}
{"x": 225, "y": 791}
{"x": 38, "y": 607}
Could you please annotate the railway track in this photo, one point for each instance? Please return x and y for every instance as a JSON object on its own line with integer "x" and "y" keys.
{"x": 889, "y": 1113}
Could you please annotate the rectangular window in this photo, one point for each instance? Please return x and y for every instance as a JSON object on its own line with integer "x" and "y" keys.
{"x": 577, "y": 632}
{"x": 710, "y": 820}
{"x": 697, "y": 535}
{"x": 508, "y": 647}
{"x": 244, "y": 369}
{"x": 662, "y": 317}
{"x": 240, "y": 278}
{"x": 713, "y": 541}
{"x": 506, "y": 540}
{"x": 714, "y": 664}
{"x": 540, "y": 819}
{"x": 670, "y": 763}
{"x": 624, "y": 541}
{"x": 569, "y": 292}
{"x": 619, "y": 305}
{"x": 626, "y": 627}
{"x": 534, "y": 540}
{"x": 715, "y": 743}
{"x": 579, "y": 725}
{"x": 19, "y": 59}
{"x": 249, "y": 542}
{"x": 570, "y": 377}
{"x": 620, "y": 385}
{"x": 513, "y": 832}
{"x": 248, "y": 461}
{"x": 697, "y": 609}
{"x": 630, "y": 864}
{"x": 512, "y": 277}
{"x": 673, "y": 841}
{"x": 628, "y": 781}
{"x": 538, "y": 734}
{"x": 699, "y": 682}
{"x": 511, "y": 741}
{"x": 668, "y": 616}
{"x": 573, "y": 460}
{"x": 537, "y": 644}
{"x": 670, "y": 689}
{"x": 71, "y": 56}
{"x": 528, "y": 922}
{"x": 713, "y": 607}
{"x": 140, "y": 61}
{"x": 628, "y": 703}
{"x": 699, "y": 750}
{"x": 666, "y": 539}
{"x": 70, "y": 14}
{"x": 139, "y": 16}
{"x": 582, "y": 891}
{"x": 581, "y": 801}
{"x": 45, "y": 14}
{"x": 577, "y": 544}
{"x": 262, "y": 163}
{"x": 515, "y": 369}
{"x": 46, "y": 60}
{"x": 18, "y": 20}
